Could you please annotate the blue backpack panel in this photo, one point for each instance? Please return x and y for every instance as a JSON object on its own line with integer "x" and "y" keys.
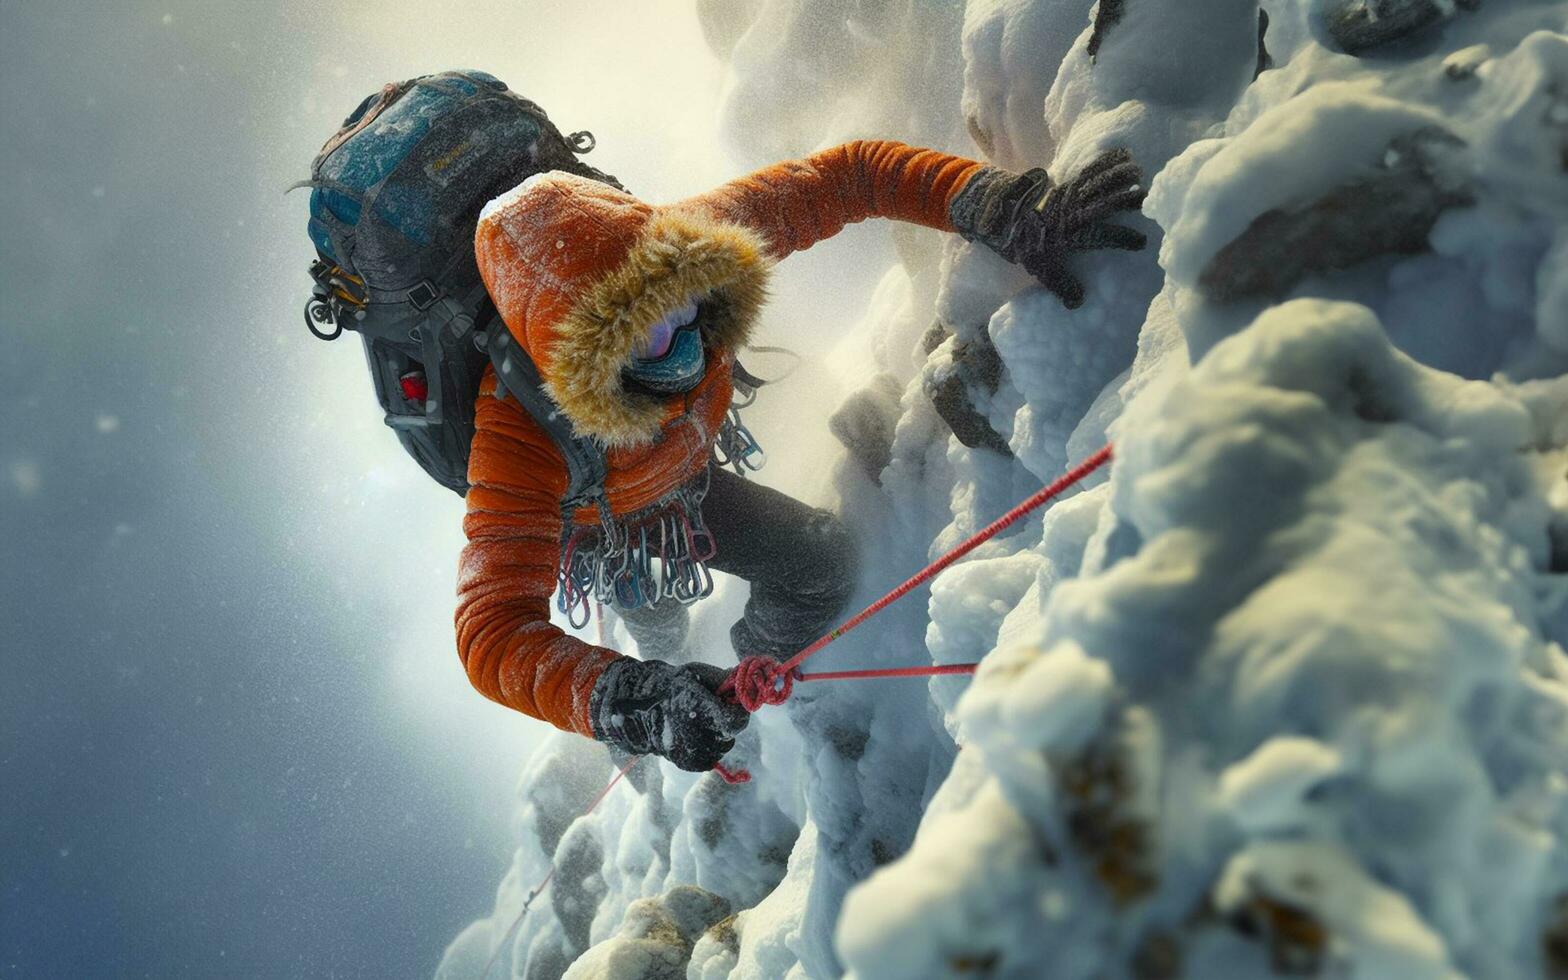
{"x": 395, "y": 198}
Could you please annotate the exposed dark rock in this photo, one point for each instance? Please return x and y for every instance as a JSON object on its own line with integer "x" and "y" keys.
{"x": 1106, "y": 16}
{"x": 1462, "y": 65}
{"x": 725, "y": 934}
{"x": 975, "y": 964}
{"x": 1390, "y": 212}
{"x": 864, "y": 424}
{"x": 973, "y": 372}
{"x": 549, "y": 961}
{"x": 657, "y": 934}
{"x": 693, "y": 911}
{"x": 1098, "y": 788}
{"x": 1554, "y": 944}
{"x": 849, "y": 742}
{"x": 577, "y": 887}
{"x": 981, "y": 362}
{"x": 710, "y": 811}
{"x": 558, "y": 797}
{"x": 1368, "y": 401}
{"x": 882, "y": 852}
{"x": 1358, "y": 26}
{"x": 1265, "y": 60}
{"x": 1158, "y": 957}
{"x": 1297, "y": 942}
{"x": 933, "y": 337}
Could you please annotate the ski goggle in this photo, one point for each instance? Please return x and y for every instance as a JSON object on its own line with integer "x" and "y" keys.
{"x": 658, "y": 339}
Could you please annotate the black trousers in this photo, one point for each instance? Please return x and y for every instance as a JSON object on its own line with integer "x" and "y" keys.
{"x": 801, "y": 562}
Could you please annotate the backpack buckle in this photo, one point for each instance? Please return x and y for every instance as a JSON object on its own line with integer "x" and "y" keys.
{"x": 423, "y": 295}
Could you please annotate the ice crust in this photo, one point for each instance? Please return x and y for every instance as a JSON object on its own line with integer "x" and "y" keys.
{"x": 1285, "y": 691}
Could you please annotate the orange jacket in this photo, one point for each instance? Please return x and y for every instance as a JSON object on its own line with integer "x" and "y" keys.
{"x": 578, "y": 271}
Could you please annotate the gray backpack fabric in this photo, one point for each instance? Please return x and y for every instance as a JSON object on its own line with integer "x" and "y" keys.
{"x": 396, "y": 195}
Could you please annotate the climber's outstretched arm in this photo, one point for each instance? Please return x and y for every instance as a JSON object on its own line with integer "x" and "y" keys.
{"x": 1025, "y": 218}
{"x": 797, "y": 203}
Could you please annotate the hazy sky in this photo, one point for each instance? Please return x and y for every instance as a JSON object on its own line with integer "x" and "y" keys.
{"x": 234, "y": 736}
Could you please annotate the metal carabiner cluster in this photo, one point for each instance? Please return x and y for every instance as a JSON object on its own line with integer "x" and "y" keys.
{"x": 736, "y": 447}
{"x": 338, "y": 295}
{"x": 661, "y": 553}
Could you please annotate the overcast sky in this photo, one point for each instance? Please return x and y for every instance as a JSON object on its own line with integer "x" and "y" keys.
{"x": 234, "y": 736}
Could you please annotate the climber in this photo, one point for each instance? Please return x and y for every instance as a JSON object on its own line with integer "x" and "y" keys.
{"x": 633, "y": 314}
{"x": 564, "y": 357}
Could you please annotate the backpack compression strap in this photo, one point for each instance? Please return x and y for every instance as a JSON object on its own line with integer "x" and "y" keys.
{"x": 585, "y": 465}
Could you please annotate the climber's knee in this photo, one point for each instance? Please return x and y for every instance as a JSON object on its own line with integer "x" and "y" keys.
{"x": 834, "y": 565}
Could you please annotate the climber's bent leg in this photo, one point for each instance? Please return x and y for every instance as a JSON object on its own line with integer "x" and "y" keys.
{"x": 801, "y": 563}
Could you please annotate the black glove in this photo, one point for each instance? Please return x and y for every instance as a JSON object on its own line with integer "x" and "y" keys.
{"x": 1026, "y": 219}
{"x": 649, "y": 707}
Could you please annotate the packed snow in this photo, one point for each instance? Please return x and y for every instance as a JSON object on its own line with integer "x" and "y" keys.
{"x": 1283, "y": 691}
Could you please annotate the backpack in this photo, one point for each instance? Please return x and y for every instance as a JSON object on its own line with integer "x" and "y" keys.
{"x": 395, "y": 199}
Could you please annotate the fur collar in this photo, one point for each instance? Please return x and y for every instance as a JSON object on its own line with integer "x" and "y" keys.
{"x": 677, "y": 255}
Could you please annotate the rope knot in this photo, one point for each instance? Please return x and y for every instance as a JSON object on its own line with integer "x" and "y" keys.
{"x": 757, "y": 681}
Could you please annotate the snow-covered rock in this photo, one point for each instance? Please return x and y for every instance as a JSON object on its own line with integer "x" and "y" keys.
{"x": 1285, "y": 692}
{"x": 655, "y": 938}
{"x": 1327, "y": 630}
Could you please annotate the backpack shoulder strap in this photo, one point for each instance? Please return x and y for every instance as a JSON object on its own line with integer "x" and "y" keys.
{"x": 585, "y": 464}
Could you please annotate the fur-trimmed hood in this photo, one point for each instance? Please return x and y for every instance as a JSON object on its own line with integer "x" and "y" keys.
{"x": 579, "y": 271}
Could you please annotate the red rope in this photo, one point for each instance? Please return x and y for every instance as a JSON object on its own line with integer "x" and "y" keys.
{"x": 496, "y": 953}
{"x": 930, "y": 670}
{"x": 1066, "y": 482}
{"x": 757, "y": 681}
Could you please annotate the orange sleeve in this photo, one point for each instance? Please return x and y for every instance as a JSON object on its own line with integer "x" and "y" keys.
{"x": 797, "y": 203}
{"x": 512, "y": 653}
